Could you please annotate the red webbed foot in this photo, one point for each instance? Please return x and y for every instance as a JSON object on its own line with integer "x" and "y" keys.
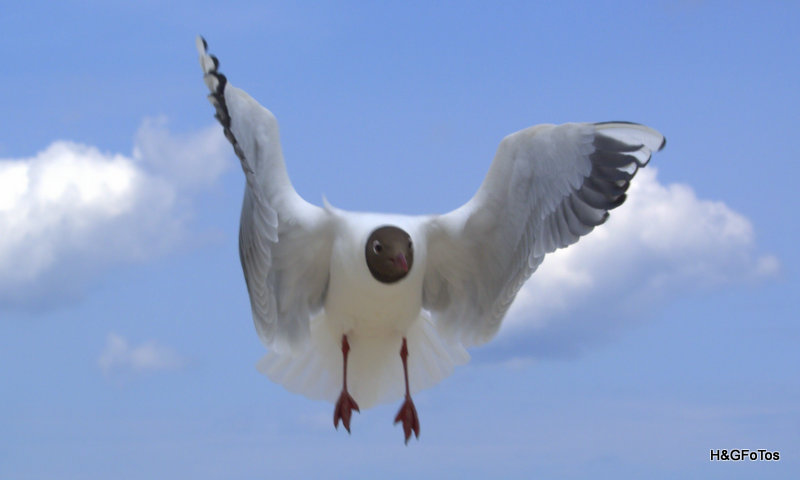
{"x": 344, "y": 410}
{"x": 408, "y": 415}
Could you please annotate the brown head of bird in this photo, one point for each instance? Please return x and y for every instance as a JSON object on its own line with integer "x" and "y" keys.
{"x": 390, "y": 254}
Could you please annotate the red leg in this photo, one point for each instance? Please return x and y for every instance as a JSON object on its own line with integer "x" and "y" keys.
{"x": 407, "y": 413}
{"x": 345, "y": 405}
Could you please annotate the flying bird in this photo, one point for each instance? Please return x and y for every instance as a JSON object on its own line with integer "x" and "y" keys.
{"x": 363, "y": 308}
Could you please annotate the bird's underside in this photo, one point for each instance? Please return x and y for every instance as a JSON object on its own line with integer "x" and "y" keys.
{"x": 359, "y": 309}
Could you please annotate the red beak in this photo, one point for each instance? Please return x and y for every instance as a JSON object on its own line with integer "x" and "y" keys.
{"x": 400, "y": 261}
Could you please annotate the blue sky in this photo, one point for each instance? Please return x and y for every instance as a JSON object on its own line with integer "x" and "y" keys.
{"x": 126, "y": 344}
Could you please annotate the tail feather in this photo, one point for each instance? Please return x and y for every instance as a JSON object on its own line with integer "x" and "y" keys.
{"x": 375, "y": 372}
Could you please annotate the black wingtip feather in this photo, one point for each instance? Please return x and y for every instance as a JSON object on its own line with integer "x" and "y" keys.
{"x": 609, "y": 144}
{"x": 223, "y": 119}
{"x": 217, "y": 98}
{"x": 598, "y": 200}
{"x": 229, "y": 134}
{"x": 608, "y": 188}
{"x": 660, "y": 147}
{"x": 612, "y": 174}
{"x": 223, "y": 80}
{"x": 614, "y": 159}
{"x": 624, "y": 122}
{"x": 585, "y": 213}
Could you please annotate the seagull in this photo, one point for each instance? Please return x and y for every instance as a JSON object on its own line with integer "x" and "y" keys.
{"x": 338, "y": 296}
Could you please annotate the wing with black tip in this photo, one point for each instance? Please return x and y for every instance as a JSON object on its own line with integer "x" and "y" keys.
{"x": 284, "y": 241}
{"x": 547, "y": 186}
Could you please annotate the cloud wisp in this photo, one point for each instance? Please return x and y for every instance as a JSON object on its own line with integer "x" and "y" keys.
{"x": 119, "y": 356}
{"x": 189, "y": 161}
{"x": 71, "y": 211}
{"x": 663, "y": 242}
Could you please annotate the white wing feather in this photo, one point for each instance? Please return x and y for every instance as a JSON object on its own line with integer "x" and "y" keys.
{"x": 284, "y": 241}
{"x": 547, "y": 186}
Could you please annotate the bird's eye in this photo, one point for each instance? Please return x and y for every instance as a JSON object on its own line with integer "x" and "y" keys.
{"x": 410, "y": 245}
{"x": 377, "y": 247}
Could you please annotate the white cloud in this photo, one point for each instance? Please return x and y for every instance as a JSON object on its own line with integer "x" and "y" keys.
{"x": 119, "y": 356}
{"x": 71, "y": 210}
{"x": 190, "y": 160}
{"x": 662, "y": 241}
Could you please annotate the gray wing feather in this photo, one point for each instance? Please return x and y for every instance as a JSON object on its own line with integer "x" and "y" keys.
{"x": 547, "y": 186}
{"x": 284, "y": 242}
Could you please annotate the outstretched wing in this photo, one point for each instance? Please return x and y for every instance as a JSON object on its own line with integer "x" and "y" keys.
{"x": 284, "y": 241}
{"x": 547, "y": 186}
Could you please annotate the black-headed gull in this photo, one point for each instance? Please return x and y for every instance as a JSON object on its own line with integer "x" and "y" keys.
{"x": 335, "y": 294}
